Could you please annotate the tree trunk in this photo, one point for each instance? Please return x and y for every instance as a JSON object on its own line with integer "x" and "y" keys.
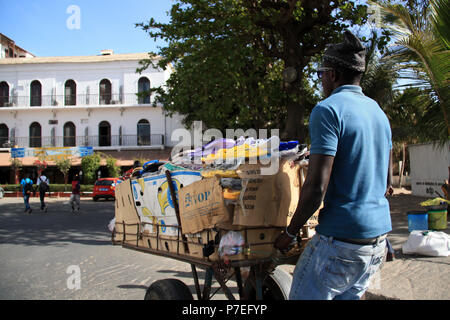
{"x": 65, "y": 182}
{"x": 16, "y": 176}
{"x": 295, "y": 128}
{"x": 294, "y": 64}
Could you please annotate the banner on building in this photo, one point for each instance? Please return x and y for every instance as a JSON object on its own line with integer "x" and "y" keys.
{"x": 52, "y": 154}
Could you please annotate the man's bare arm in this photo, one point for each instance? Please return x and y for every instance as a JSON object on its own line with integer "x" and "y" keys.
{"x": 313, "y": 191}
{"x": 389, "y": 190}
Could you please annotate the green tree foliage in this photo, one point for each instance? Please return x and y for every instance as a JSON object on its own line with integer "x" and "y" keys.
{"x": 380, "y": 76}
{"x": 64, "y": 165}
{"x": 113, "y": 169}
{"x": 90, "y": 165}
{"x": 420, "y": 30}
{"x": 406, "y": 107}
{"x": 16, "y": 165}
{"x": 245, "y": 63}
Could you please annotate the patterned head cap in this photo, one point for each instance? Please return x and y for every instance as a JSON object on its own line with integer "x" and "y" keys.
{"x": 350, "y": 54}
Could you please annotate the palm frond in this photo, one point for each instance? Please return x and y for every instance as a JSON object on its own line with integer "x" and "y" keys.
{"x": 440, "y": 16}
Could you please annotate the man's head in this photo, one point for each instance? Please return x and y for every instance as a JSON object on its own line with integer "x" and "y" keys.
{"x": 343, "y": 63}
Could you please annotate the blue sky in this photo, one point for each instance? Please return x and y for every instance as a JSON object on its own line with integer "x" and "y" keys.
{"x": 40, "y": 26}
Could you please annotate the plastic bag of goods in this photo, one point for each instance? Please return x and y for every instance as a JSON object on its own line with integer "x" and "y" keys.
{"x": 112, "y": 225}
{"x": 232, "y": 243}
{"x": 427, "y": 243}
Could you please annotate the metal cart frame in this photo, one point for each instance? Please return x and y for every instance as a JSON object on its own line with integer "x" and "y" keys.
{"x": 220, "y": 270}
{"x": 260, "y": 269}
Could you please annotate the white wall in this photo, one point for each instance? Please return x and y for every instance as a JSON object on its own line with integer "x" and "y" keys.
{"x": 53, "y": 76}
{"x": 429, "y": 168}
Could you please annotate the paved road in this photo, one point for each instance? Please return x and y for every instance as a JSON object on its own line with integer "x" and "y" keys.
{"x": 42, "y": 253}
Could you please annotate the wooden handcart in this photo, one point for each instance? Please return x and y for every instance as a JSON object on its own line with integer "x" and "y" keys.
{"x": 263, "y": 281}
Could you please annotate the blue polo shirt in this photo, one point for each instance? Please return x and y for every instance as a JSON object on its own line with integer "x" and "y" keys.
{"x": 24, "y": 182}
{"x": 353, "y": 128}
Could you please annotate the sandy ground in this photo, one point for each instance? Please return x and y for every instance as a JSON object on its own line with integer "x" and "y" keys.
{"x": 410, "y": 277}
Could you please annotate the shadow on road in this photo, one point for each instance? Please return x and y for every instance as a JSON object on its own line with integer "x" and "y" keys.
{"x": 59, "y": 226}
{"x": 132, "y": 286}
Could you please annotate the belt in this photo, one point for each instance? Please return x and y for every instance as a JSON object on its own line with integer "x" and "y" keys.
{"x": 375, "y": 240}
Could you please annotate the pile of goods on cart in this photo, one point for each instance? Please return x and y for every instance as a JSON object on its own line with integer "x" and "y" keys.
{"x": 227, "y": 200}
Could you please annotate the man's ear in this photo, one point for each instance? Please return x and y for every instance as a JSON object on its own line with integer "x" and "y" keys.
{"x": 334, "y": 75}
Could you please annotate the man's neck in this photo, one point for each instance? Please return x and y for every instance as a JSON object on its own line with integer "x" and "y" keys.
{"x": 355, "y": 83}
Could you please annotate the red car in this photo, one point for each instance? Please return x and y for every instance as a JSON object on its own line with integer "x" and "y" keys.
{"x": 105, "y": 188}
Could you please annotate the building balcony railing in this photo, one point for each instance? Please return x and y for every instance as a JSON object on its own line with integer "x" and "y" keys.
{"x": 73, "y": 100}
{"x": 86, "y": 141}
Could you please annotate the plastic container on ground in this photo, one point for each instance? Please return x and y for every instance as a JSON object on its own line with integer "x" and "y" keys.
{"x": 417, "y": 220}
{"x": 437, "y": 219}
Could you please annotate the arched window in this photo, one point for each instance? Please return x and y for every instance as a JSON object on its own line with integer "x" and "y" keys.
{"x": 69, "y": 134}
{"x": 35, "y": 93}
{"x": 105, "y": 91}
{"x": 35, "y": 135}
{"x": 104, "y": 134}
{"x": 70, "y": 93}
{"x": 143, "y": 90}
{"x": 4, "y": 94}
{"x": 143, "y": 133}
{"x": 4, "y": 134}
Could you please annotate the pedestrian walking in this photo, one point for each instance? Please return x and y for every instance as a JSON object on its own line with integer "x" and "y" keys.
{"x": 27, "y": 189}
{"x": 43, "y": 186}
{"x": 348, "y": 171}
{"x": 75, "y": 196}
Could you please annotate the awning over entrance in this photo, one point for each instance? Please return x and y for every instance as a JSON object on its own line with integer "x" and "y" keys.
{"x": 124, "y": 157}
{"x": 127, "y": 157}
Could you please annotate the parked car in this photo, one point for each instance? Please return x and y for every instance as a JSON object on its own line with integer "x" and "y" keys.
{"x": 105, "y": 188}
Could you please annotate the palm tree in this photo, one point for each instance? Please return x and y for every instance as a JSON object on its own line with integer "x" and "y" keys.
{"x": 421, "y": 53}
{"x": 380, "y": 77}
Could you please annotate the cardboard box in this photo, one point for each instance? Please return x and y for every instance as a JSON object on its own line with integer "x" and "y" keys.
{"x": 202, "y": 242}
{"x": 258, "y": 243}
{"x": 125, "y": 212}
{"x": 267, "y": 200}
{"x": 153, "y": 200}
{"x": 202, "y": 206}
{"x": 172, "y": 244}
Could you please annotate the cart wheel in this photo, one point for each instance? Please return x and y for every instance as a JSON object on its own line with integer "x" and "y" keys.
{"x": 168, "y": 289}
{"x": 276, "y": 286}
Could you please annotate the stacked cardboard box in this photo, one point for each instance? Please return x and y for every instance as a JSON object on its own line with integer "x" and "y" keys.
{"x": 127, "y": 224}
{"x": 264, "y": 208}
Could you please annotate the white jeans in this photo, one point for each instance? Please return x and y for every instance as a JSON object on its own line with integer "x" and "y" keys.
{"x": 75, "y": 198}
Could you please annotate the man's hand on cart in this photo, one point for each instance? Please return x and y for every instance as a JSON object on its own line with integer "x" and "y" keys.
{"x": 285, "y": 244}
{"x": 285, "y": 241}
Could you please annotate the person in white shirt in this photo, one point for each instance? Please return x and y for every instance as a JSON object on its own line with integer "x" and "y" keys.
{"x": 43, "y": 186}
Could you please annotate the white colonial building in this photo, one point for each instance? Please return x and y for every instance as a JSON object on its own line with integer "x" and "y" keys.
{"x": 83, "y": 101}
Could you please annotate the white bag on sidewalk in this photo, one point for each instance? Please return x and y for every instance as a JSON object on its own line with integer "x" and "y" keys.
{"x": 112, "y": 225}
{"x": 427, "y": 243}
